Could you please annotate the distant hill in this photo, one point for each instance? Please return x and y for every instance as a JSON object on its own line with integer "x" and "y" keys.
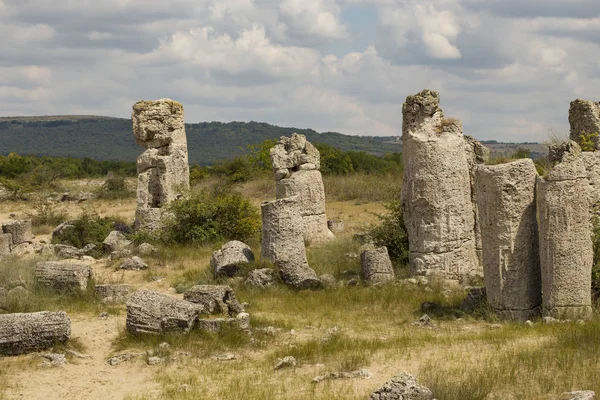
{"x": 105, "y": 138}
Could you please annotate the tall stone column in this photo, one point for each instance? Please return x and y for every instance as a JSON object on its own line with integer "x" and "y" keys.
{"x": 566, "y": 252}
{"x": 296, "y": 166}
{"x": 436, "y": 191}
{"x": 584, "y": 118}
{"x": 163, "y": 169}
{"x": 505, "y": 196}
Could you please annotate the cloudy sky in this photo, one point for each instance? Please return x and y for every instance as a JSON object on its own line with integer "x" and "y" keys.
{"x": 507, "y": 68}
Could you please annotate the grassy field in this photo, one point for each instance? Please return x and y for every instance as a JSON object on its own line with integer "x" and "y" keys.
{"x": 342, "y": 328}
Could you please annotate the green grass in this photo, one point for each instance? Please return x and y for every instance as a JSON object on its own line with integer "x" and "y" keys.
{"x": 362, "y": 187}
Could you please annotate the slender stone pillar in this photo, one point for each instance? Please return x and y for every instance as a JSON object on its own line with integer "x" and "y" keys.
{"x": 566, "y": 253}
{"x": 505, "y": 196}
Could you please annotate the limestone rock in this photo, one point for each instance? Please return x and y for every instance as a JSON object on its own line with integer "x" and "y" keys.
{"x": 227, "y": 260}
{"x": 115, "y": 241}
{"x": 402, "y": 387}
{"x": 584, "y": 118}
{"x": 25, "y": 333}
{"x": 63, "y": 275}
{"x": 66, "y": 251}
{"x": 579, "y": 395}
{"x": 118, "y": 293}
{"x": 505, "y": 196}
{"x": 134, "y": 264}
{"x": 286, "y": 362}
{"x": 146, "y": 249}
{"x": 5, "y": 243}
{"x": 155, "y": 313}
{"x": 565, "y": 243}
{"x": 241, "y": 321}
{"x": 376, "y": 266}
{"x": 283, "y": 242}
{"x": 436, "y": 200}
{"x": 163, "y": 170}
{"x": 23, "y": 249}
{"x": 336, "y": 225}
{"x": 215, "y": 299}
{"x": 260, "y": 278}
{"x": 20, "y": 231}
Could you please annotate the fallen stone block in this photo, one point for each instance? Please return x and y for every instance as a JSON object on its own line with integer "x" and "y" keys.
{"x": 155, "y": 313}
{"x": 216, "y": 325}
{"x": 19, "y": 230}
{"x": 215, "y": 299}
{"x": 226, "y": 261}
{"x": 134, "y": 264}
{"x": 63, "y": 275}
{"x": 260, "y": 278}
{"x": 376, "y": 266}
{"x": 114, "y": 293}
{"x": 25, "y": 333}
{"x": 66, "y": 251}
{"x": 402, "y": 387}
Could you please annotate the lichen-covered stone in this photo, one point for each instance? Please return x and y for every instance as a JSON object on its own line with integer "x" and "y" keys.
{"x": 584, "y": 118}
{"x": 19, "y": 230}
{"x": 63, "y": 275}
{"x": 66, "y": 251}
{"x": 215, "y": 325}
{"x": 283, "y": 242}
{"x": 115, "y": 241}
{"x": 566, "y": 254}
{"x": 436, "y": 196}
{"x": 505, "y": 196}
{"x": 226, "y": 261}
{"x": 134, "y": 264}
{"x": 376, "y": 266}
{"x": 156, "y": 313}
{"x": 260, "y": 278}
{"x": 215, "y": 299}
{"x": 25, "y": 333}
{"x": 402, "y": 387}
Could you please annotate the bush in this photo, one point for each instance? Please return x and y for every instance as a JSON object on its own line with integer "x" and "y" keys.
{"x": 391, "y": 233}
{"x": 89, "y": 228}
{"x": 114, "y": 187}
{"x": 212, "y": 215}
{"x": 46, "y": 213}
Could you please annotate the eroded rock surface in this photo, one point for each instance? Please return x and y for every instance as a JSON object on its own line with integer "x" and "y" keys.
{"x": 584, "y": 119}
{"x": 566, "y": 254}
{"x": 63, "y": 275}
{"x": 163, "y": 170}
{"x": 156, "y": 313}
{"x": 227, "y": 260}
{"x": 436, "y": 196}
{"x": 283, "y": 242}
{"x": 296, "y": 164}
{"x": 376, "y": 266}
{"x": 24, "y": 333}
{"x": 403, "y": 386}
{"x": 117, "y": 293}
{"x": 505, "y": 195}
{"x": 215, "y": 299}
{"x": 20, "y": 231}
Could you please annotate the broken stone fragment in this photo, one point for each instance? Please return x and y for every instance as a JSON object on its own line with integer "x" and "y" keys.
{"x": 118, "y": 293}
{"x": 63, "y": 275}
{"x": 376, "y": 266}
{"x": 227, "y": 260}
{"x": 215, "y": 299}
{"x": 134, "y": 264}
{"x": 584, "y": 119}
{"x": 260, "y": 278}
{"x": 24, "y": 333}
{"x": 403, "y": 386}
{"x": 155, "y": 313}
{"x": 115, "y": 241}
{"x": 19, "y": 230}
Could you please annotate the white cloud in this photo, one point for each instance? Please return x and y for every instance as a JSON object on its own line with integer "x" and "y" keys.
{"x": 319, "y": 18}
{"x": 439, "y": 30}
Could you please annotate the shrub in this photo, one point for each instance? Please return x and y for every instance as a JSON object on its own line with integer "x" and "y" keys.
{"x": 588, "y": 141}
{"x": 212, "y": 215}
{"x": 114, "y": 187}
{"x": 46, "y": 213}
{"x": 391, "y": 233}
{"x": 89, "y": 228}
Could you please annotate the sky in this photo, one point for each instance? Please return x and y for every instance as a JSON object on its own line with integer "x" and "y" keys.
{"x": 507, "y": 68}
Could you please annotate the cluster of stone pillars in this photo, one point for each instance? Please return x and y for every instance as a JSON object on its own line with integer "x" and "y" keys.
{"x": 535, "y": 232}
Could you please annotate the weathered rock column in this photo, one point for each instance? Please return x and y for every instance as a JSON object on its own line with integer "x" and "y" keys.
{"x": 283, "y": 242}
{"x": 584, "y": 118}
{"x": 566, "y": 253}
{"x": 163, "y": 169}
{"x": 505, "y": 196}
{"x": 25, "y": 333}
{"x": 436, "y": 191}
{"x": 296, "y": 165}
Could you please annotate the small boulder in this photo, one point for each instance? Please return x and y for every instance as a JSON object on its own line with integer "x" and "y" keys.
{"x": 23, "y": 249}
{"x": 20, "y": 231}
{"x": 115, "y": 241}
{"x": 215, "y": 299}
{"x": 402, "y": 386}
{"x": 113, "y": 293}
{"x": 376, "y": 266}
{"x": 63, "y": 275}
{"x": 579, "y": 395}
{"x": 261, "y": 278}
{"x": 226, "y": 260}
{"x": 286, "y": 362}
{"x": 328, "y": 280}
{"x": 66, "y": 251}
{"x": 241, "y": 321}
{"x": 146, "y": 249}
{"x": 336, "y": 225}
{"x": 134, "y": 264}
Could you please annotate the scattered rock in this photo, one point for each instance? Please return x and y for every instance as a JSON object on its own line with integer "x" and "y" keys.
{"x": 115, "y": 241}
{"x": 23, "y": 249}
{"x": 146, "y": 249}
{"x": 241, "y": 321}
{"x": 117, "y": 293}
{"x": 215, "y": 299}
{"x": 328, "y": 280}
{"x": 550, "y": 320}
{"x": 579, "y": 395}
{"x": 260, "y": 278}
{"x": 117, "y": 255}
{"x": 20, "y": 231}
{"x": 286, "y": 362}
{"x": 155, "y": 360}
{"x": 336, "y": 225}
{"x": 361, "y": 373}
{"x": 118, "y": 359}
{"x": 103, "y": 315}
{"x": 164, "y": 345}
{"x": 402, "y": 387}
{"x": 223, "y": 357}
{"x": 134, "y": 264}
{"x": 54, "y": 360}
{"x": 63, "y": 275}
{"x": 376, "y": 266}
{"x": 5, "y": 243}
{"x": 66, "y": 251}
{"x": 23, "y": 333}
{"x": 425, "y": 322}
{"x": 226, "y": 261}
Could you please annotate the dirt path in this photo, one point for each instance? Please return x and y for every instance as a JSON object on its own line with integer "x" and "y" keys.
{"x": 86, "y": 379}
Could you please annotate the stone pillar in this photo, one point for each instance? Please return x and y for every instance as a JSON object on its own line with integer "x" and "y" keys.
{"x": 163, "y": 169}
{"x": 505, "y": 196}
{"x": 436, "y": 191}
{"x": 376, "y": 266}
{"x": 283, "y": 242}
{"x": 584, "y": 118}
{"x": 566, "y": 252}
{"x": 20, "y": 231}
{"x": 296, "y": 165}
